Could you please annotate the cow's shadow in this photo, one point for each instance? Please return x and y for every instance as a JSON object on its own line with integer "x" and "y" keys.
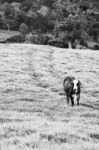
{"x": 94, "y": 106}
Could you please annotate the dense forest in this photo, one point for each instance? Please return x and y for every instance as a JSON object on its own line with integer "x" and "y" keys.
{"x": 54, "y": 22}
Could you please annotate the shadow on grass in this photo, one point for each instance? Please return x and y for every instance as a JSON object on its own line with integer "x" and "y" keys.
{"x": 62, "y": 138}
{"x": 6, "y": 120}
{"x": 95, "y": 136}
{"x": 27, "y": 99}
{"x": 90, "y": 106}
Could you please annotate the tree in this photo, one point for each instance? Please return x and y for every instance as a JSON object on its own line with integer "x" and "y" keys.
{"x": 74, "y": 19}
{"x": 24, "y": 29}
{"x": 4, "y": 21}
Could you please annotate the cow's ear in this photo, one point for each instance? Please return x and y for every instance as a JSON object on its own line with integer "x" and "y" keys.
{"x": 72, "y": 83}
{"x": 79, "y": 82}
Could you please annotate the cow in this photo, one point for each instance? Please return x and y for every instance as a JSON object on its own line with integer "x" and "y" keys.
{"x": 72, "y": 88}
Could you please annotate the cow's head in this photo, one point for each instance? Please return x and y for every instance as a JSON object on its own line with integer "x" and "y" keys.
{"x": 76, "y": 85}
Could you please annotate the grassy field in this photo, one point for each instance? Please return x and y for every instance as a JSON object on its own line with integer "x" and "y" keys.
{"x": 33, "y": 109}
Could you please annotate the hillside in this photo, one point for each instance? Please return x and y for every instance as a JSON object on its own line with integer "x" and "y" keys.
{"x": 33, "y": 110}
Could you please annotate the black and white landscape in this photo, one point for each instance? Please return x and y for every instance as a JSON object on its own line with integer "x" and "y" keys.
{"x": 35, "y": 58}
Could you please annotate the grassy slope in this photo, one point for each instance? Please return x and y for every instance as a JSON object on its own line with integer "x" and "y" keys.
{"x": 33, "y": 109}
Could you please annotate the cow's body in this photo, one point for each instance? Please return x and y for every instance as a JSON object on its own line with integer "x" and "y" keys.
{"x": 72, "y": 89}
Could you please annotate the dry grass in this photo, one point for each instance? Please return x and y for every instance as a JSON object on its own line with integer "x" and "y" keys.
{"x": 33, "y": 109}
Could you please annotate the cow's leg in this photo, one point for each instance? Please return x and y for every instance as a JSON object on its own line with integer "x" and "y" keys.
{"x": 78, "y": 97}
{"x": 72, "y": 101}
{"x": 67, "y": 97}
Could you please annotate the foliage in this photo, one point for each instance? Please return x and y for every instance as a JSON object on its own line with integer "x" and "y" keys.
{"x": 23, "y": 28}
{"x": 48, "y": 3}
{"x": 10, "y": 1}
{"x": 66, "y": 20}
{"x": 74, "y": 19}
{"x": 26, "y": 5}
{"x": 38, "y": 38}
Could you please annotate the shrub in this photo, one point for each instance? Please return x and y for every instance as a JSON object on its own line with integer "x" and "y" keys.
{"x": 83, "y": 43}
{"x": 6, "y": 8}
{"x": 38, "y": 38}
{"x": 73, "y": 20}
{"x": 58, "y": 43}
{"x": 31, "y": 38}
{"x": 23, "y": 29}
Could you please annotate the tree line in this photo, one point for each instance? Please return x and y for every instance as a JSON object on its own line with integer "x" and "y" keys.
{"x": 55, "y": 22}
